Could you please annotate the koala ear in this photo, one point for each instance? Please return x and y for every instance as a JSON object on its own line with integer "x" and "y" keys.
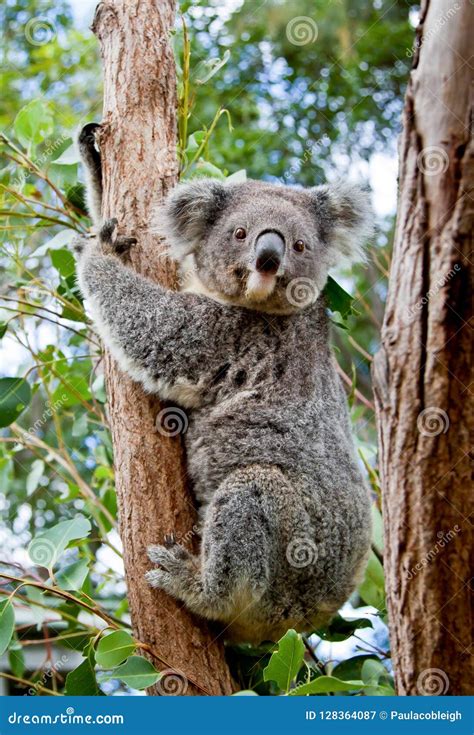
{"x": 188, "y": 212}
{"x": 345, "y": 214}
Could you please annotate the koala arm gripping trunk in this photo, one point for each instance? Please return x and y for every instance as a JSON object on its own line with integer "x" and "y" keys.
{"x": 149, "y": 330}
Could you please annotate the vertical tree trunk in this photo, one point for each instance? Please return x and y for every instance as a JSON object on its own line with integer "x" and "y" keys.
{"x": 423, "y": 372}
{"x": 139, "y": 167}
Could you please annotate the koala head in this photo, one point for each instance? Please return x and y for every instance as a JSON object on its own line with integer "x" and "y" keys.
{"x": 263, "y": 246}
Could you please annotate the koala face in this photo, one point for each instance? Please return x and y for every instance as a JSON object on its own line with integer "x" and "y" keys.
{"x": 260, "y": 245}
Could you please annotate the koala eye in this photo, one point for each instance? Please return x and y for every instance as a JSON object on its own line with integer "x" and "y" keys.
{"x": 299, "y": 246}
{"x": 240, "y": 233}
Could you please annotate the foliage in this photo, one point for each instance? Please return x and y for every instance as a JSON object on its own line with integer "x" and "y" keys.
{"x": 56, "y": 464}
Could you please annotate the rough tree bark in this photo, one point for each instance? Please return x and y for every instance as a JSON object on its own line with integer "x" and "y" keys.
{"x": 139, "y": 166}
{"x": 423, "y": 371}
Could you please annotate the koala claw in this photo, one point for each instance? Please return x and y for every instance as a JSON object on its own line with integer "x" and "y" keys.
{"x": 111, "y": 241}
{"x": 169, "y": 557}
{"x": 169, "y": 540}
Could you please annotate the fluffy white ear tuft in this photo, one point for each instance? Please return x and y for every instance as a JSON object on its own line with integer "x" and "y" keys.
{"x": 187, "y": 214}
{"x": 346, "y": 213}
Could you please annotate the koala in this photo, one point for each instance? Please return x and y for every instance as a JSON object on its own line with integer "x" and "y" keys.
{"x": 244, "y": 349}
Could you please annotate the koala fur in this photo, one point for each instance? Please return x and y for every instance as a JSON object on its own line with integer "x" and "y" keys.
{"x": 244, "y": 348}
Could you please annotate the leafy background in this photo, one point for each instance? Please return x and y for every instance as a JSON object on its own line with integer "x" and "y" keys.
{"x": 253, "y": 97}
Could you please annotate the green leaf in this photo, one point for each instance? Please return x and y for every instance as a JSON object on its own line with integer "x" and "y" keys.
{"x": 114, "y": 648}
{"x": 137, "y": 672}
{"x": 205, "y": 168}
{"x": 338, "y": 299}
{"x": 81, "y": 681}
{"x": 351, "y": 668}
{"x": 15, "y": 395}
{"x": 34, "y": 477}
{"x": 7, "y": 624}
{"x": 45, "y": 549}
{"x": 372, "y": 671}
{"x": 33, "y": 123}
{"x": 194, "y": 141}
{"x": 3, "y": 329}
{"x": 340, "y": 629}
{"x": 286, "y": 661}
{"x": 62, "y": 238}
{"x": 377, "y": 529}
{"x": 76, "y": 195}
{"x": 372, "y": 588}
{"x": 68, "y": 156}
{"x": 73, "y": 576}
{"x": 6, "y": 472}
{"x": 16, "y": 659}
{"x": 63, "y": 261}
{"x": 324, "y": 685}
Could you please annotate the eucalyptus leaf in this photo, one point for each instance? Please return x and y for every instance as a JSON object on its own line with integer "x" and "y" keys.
{"x": 72, "y": 576}
{"x": 68, "y": 156}
{"x": 15, "y": 395}
{"x": 137, "y": 672}
{"x": 7, "y": 624}
{"x": 325, "y": 685}
{"x": 46, "y": 548}
{"x": 286, "y": 661}
{"x": 82, "y": 681}
{"x": 34, "y": 123}
{"x": 114, "y": 648}
{"x": 372, "y": 588}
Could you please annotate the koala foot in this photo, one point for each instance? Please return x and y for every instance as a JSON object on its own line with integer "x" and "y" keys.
{"x": 177, "y": 569}
{"x": 112, "y": 243}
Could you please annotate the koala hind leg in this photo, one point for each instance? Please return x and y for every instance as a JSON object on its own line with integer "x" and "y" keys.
{"x": 233, "y": 571}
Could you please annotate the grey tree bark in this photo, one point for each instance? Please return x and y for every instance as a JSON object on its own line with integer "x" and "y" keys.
{"x": 138, "y": 143}
{"x": 423, "y": 371}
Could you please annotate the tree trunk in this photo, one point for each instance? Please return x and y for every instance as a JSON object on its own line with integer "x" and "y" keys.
{"x": 138, "y": 143}
{"x": 423, "y": 371}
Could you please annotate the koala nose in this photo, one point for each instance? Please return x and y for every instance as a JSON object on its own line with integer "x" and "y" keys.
{"x": 269, "y": 251}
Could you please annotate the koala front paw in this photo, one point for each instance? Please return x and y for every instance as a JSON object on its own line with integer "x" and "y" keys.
{"x": 111, "y": 243}
{"x": 175, "y": 567}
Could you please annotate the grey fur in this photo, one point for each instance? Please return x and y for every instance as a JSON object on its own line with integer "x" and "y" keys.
{"x": 285, "y": 513}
